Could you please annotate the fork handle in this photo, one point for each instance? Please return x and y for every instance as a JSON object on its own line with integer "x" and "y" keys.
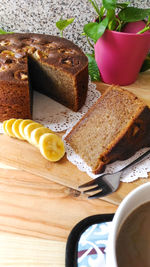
{"x": 137, "y": 160}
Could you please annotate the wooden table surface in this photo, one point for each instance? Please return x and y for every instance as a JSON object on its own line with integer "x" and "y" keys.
{"x": 34, "y": 230}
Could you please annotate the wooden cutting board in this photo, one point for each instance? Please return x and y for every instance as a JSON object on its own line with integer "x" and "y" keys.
{"x": 26, "y": 157}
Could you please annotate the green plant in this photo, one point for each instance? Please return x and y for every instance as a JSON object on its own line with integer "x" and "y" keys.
{"x": 93, "y": 68}
{"x": 113, "y": 16}
{"x": 146, "y": 64}
{"x": 63, "y": 23}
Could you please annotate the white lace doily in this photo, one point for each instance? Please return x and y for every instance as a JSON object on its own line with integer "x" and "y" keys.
{"x": 56, "y": 116}
{"x": 139, "y": 171}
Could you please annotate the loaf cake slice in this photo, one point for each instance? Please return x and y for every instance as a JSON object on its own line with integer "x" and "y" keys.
{"x": 114, "y": 128}
{"x": 49, "y": 64}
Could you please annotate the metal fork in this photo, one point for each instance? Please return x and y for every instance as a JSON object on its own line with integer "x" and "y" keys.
{"x": 108, "y": 183}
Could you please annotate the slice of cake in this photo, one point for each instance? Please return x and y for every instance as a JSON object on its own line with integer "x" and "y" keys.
{"x": 114, "y": 128}
{"x": 49, "y": 64}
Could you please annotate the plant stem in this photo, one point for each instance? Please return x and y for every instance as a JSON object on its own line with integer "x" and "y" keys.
{"x": 61, "y": 33}
{"x": 89, "y": 42}
{"x": 144, "y": 30}
{"x": 95, "y": 5}
{"x": 119, "y": 25}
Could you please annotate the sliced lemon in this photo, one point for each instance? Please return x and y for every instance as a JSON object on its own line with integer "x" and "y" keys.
{"x": 29, "y": 128}
{"x": 8, "y": 127}
{"x": 36, "y": 134}
{"x": 51, "y": 147}
{"x": 15, "y": 129}
{"x": 4, "y": 127}
{"x": 22, "y": 125}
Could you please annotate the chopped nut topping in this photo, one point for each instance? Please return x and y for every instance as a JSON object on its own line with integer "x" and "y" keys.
{"x": 40, "y": 54}
{"x": 22, "y": 60}
{"x": 51, "y": 45}
{"x": 66, "y": 51}
{"x": 69, "y": 61}
{"x": 3, "y": 67}
{"x": 7, "y": 53}
{"x": 21, "y": 75}
{"x": 19, "y": 55}
{"x": 5, "y": 43}
{"x": 29, "y": 49}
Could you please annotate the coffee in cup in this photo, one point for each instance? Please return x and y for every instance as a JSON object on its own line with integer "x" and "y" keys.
{"x": 129, "y": 238}
{"x": 133, "y": 240}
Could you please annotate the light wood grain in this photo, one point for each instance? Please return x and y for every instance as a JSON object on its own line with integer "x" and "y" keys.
{"x": 23, "y": 251}
{"x": 36, "y": 217}
{"x": 36, "y": 207}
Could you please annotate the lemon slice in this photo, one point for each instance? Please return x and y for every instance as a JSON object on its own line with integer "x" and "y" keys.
{"x": 29, "y": 128}
{"x": 51, "y": 147}
{"x": 36, "y": 134}
{"x": 15, "y": 129}
{"x": 8, "y": 127}
{"x": 4, "y": 127}
{"x": 22, "y": 125}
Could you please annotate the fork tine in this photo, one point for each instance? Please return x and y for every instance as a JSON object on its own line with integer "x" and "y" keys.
{"x": 92, "y": 182}
{"x": 102, "y": 193}
{"x": 91, "y": 190}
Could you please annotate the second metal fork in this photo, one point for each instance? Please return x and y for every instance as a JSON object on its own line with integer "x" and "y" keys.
{"x": 109, "y": 183}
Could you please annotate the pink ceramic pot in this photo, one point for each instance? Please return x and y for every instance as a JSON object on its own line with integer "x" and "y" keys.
{"x": 119, "y": 56}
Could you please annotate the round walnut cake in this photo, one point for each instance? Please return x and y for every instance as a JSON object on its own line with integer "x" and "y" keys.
{"x": 51, "y": 65}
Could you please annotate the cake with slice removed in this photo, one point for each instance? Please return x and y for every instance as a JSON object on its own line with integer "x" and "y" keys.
{"x": 49, "y": 64}
{"x": 114, "y": 128}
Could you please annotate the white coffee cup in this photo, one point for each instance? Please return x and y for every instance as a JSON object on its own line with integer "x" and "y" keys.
{"x": 134, "y": 199}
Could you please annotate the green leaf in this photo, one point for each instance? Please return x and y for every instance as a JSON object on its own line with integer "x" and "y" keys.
{"x": 112, "y": 25}
{"x": 4, "y": 32}
{"x": 93, "y": 68}
{"x": 62, "y": 24}
{"x": 122, "y": 5}
{"x": 109, "y": 4}
{"x": 95, "y": 6}
{"x": 131, "y": 14}
{"x": 146, "y": 64}
{"x": 110, "y": 14}
{"x": 95, "y": 30}
{"x": 102, "y": 11}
